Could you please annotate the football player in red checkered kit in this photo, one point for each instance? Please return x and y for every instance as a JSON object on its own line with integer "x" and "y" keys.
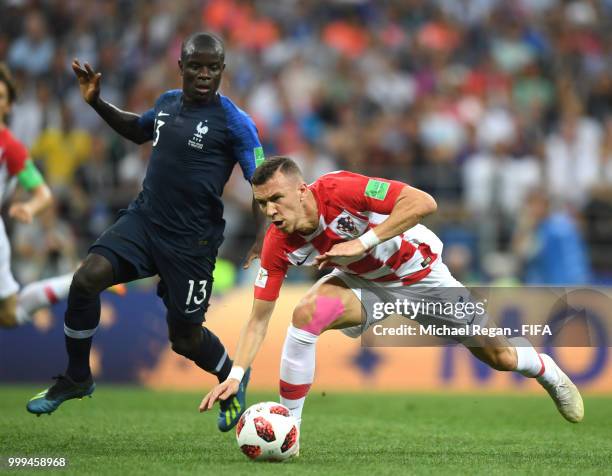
{"x": 368, "y": 229}
{"x": 17, "y": 306}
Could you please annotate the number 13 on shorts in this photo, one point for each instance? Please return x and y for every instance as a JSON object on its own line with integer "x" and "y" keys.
{"x": 200, "y": 292}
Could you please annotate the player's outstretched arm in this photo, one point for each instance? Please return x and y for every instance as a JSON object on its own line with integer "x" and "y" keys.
{"x": 260, "y": 233}
{"x": 123, "y": 122}
{"x": 411, "y": 206}
{"x": 251, "y": 338}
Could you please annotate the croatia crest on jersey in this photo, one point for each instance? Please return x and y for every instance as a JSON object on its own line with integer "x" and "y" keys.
{"x": 348, "y": 225}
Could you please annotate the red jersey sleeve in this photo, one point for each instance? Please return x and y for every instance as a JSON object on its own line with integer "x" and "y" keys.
{"x": 16, "y": 155}
{"x": 364, "y": 194}
{"x": 274, "y": 265}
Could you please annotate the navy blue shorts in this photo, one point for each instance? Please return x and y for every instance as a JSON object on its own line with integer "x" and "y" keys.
{"x": 138, "y": 248}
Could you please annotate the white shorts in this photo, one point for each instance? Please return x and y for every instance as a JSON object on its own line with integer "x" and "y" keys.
{"x": 8, "y": 285}
{"x": 439, "y": 278}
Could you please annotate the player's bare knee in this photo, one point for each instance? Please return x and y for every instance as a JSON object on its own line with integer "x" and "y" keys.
{"x": 302, "y": 314}
{"x": 317, "y": 313}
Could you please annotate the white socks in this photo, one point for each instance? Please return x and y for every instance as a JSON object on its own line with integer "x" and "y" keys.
{"x": 297, "y": 369}
{"x": 531, "y": 364}
{"x": 550, "y": 375}
{"x": 41, "y": 294}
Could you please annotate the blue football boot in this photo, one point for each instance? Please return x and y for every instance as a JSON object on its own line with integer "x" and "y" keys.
{"x": 64, "y": 389}
{"x": 233, "y": 408}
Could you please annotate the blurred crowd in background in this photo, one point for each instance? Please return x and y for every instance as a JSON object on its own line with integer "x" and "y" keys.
{"x": 502, "y": 110}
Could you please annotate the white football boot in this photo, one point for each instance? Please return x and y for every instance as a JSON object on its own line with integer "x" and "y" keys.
{"x": 565, "y": 394}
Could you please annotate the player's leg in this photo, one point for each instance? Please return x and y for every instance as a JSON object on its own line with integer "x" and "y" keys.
{"x": 83, "y": 312}
{"x": 39, "y": 294}
{"x": 199, "y": 344}
{"x": 512, "y": 355}
{"x": 518, "y": 355}
{"x": 80, "y": 323}
{"x": 329, "y": 304}
{"x": 185, "y": 287}
{"x": 106, "y": 265}
{"x": 19, "y": 309}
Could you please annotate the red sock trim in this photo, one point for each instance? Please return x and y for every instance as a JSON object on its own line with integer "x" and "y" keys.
{"x": 51, "y": 296}
{"x": 293, "y": 392}
{"x": 543, "y": 367}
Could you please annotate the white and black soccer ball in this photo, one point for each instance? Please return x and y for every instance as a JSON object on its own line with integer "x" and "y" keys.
{"x": 267, "y": 431}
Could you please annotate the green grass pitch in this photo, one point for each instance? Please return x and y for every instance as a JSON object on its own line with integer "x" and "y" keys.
{"x": 135, "y": 431}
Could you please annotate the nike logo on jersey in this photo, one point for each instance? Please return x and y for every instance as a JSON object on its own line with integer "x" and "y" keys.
{"x": 191, "y": 311}
{"x": 162, "y": 113}
{"x": 300, "y": 263}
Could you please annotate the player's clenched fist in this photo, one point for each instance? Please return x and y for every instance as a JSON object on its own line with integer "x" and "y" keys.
{"x": 223, "y": 391}
{"x": 89, "y": 81}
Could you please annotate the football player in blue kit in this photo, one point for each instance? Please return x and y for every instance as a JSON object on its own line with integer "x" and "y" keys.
{"x": 175, "y": 225}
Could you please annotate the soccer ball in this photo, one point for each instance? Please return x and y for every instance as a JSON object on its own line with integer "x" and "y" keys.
{"x": 267, "y": 431}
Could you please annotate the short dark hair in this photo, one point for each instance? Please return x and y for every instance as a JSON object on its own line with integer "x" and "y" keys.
{"x": 6, "y": 78}
{"x": 268, "y": 168}
{"x": 201, "y": 41}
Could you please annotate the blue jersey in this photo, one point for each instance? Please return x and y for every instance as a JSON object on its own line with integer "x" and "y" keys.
{"x": 195, "y": 149}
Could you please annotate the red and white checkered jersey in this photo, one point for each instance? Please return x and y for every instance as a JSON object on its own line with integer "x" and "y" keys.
{"x": 13, "y": 156}
{"x": 349, "y": 204}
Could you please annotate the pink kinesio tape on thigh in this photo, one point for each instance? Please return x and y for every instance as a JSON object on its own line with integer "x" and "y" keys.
{"x": 326, "y": 311}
